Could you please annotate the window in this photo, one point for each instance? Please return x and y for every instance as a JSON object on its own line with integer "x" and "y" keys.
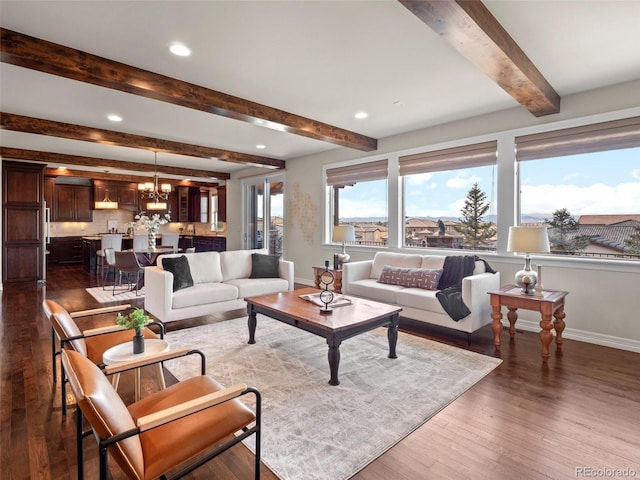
{"x": 449, "y": 197}
{"x": 585, "y": 183}
{"x": 358, "y": 196}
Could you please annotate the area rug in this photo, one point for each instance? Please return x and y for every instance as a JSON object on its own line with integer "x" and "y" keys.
{"x": 312, "y": 430}
{"x": 106, "y": 296}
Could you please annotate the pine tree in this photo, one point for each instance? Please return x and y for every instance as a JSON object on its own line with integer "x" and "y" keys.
{"x": 475, "y": 231}
{"x": 562, "y": 232}
{"x": 633, "y": 242}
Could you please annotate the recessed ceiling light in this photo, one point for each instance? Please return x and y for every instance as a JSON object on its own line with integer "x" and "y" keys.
{"x": 361, "y": 115}
{"x": 180, "y": 49}
{"x": 261, "y": 146}
{"x": 114, "y": 117}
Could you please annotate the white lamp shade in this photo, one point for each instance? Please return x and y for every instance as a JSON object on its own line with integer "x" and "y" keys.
{"x": 344, "y": 233}
{"x": 156, "y": 206}
{"x": 528, "y": 240}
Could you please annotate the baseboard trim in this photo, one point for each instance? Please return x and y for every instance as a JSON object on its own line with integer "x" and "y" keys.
{"x": 582, "y": 336}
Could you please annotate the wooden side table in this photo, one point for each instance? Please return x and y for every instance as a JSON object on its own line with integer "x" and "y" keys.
{"x": 549, "y": 304}
{"x": 337, "y": 278}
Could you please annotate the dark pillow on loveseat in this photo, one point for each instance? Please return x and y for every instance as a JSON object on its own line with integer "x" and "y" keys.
{"x": 265, "y": 266}
{"x": 179, "y": 266}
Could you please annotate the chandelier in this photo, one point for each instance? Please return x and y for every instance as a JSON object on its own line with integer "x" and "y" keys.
{"x": 157, "y": 194}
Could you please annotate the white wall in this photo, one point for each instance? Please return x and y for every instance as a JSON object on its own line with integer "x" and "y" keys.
{"x": 603, "y": 305}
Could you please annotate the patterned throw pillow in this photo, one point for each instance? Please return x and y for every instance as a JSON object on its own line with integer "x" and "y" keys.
{"x": 424, "y": 278}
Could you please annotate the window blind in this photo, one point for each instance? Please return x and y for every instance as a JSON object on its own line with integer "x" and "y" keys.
{"x": 362, "y": 172}
{"x": 467, "y": 156}
{"x": 598, "y": 137}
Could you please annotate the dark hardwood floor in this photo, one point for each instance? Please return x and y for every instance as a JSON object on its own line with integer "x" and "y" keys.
{"x": 578, "y": 416}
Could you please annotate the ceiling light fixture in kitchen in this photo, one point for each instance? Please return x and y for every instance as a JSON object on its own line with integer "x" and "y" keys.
{"x": 158, "y": 194}
{"x": 107, "y": 203}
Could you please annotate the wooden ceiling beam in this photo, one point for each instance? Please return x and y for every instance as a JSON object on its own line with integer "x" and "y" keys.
{"x": 470, "y": 28}
{"x": 56, "y": 172}
{"x": 20, "y": 123}
{"x": 105, "y": 164}
{"x": 41, "y": 55}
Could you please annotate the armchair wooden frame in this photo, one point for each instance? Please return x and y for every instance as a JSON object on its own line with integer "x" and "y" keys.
{"x": 149, "y": 418}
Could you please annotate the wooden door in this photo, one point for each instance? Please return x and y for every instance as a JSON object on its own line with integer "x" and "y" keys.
{"x": 22, "y": 222}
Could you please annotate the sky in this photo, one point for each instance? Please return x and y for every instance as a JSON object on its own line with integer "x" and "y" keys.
{"x": 597, "y": 183}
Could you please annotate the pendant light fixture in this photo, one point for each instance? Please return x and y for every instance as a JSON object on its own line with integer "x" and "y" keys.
{"x": 106, "y": 203}
{"x": 156, "y": 193}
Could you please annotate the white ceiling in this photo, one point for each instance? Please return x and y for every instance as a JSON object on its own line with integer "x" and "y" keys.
{"x": 324, "y": 60}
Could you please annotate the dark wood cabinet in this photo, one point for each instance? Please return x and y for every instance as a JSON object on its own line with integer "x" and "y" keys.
{"x": 49, "y": 191}
{"x": 189, "y": 204}
{"x": 222, "y": 203}
{"x": 125, "y": 193}
{"x": 89, "y": 248}
{"x": 72, "y": 203}
{"x": 204, "y": 243}
{"x": 22, "y": 222}
{"x": 65, "y": 250}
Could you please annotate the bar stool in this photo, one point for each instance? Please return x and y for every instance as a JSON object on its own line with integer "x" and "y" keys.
{"x": 110, "y": 240}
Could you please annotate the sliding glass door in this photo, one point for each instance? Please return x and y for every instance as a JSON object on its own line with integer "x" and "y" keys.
{"x": 264, "y": 208}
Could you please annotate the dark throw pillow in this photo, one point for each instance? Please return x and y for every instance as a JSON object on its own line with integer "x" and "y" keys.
{"x": 264, "y": 266}
{"x": 179, "y": 266}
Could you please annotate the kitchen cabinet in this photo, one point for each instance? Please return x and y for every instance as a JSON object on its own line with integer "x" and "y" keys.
{"x": 125, "y": 193}
{"x": 222, "y": 203}
{"x": 90, "y": 245}
{"x": 190, "y": 204}
{"x": 49, "y": 191}
{"x": 66, "y": 250}
{"x": 72, "y": 203}
{"x": 205, "y": 243}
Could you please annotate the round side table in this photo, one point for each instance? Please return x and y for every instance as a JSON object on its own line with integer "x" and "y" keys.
{"x": 124, "y": 353}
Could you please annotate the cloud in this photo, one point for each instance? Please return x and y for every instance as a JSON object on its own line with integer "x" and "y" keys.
{"x": 635, "y": 173}
{"x": 569, "y": 176}
{"x": 419, "y": 179}
{"x": 596, "y": 199}
{"x": 461, "y": 181}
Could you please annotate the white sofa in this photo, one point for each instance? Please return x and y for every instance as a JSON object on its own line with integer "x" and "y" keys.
{"x": 220, "y": 282}
{"x": 361, "y": 280}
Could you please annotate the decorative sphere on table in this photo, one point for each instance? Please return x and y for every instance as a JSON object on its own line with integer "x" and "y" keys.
{"x": 526, "y": 280}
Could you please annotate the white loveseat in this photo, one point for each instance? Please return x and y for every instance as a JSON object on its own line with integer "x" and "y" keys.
{"x": 220, "y": 282}
{"x": 361, "y": 280}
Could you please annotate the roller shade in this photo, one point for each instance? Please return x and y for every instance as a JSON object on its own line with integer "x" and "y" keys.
{"x": 597, "y": 137}
{"x": 362, "y": 172}
{"x": 467, "y": 156}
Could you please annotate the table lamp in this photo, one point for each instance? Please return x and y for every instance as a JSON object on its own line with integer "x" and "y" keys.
{"x": 527, "y": 240}
{"x": 344, "y": 233}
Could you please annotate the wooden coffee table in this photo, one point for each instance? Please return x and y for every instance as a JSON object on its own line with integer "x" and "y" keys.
{"x": 345, "y": 322}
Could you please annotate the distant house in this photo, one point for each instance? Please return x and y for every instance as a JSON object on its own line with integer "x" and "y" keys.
{"x": 424, "y": 232}
{"x": 607, "y": 233}
{"x": 371, "y": 234}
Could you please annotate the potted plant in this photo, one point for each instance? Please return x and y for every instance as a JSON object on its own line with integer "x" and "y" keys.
{"x": 137, "y": 319}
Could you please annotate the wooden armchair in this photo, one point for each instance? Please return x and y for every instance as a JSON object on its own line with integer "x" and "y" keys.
{"x": 164, "y": 431}
{"x": 66, "y": 333}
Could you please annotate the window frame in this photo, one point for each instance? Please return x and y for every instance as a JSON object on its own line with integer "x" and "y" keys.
{"x": 507, "y": 194}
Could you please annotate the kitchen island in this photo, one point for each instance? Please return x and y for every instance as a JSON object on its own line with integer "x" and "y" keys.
{"x": 202, "y": 243}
